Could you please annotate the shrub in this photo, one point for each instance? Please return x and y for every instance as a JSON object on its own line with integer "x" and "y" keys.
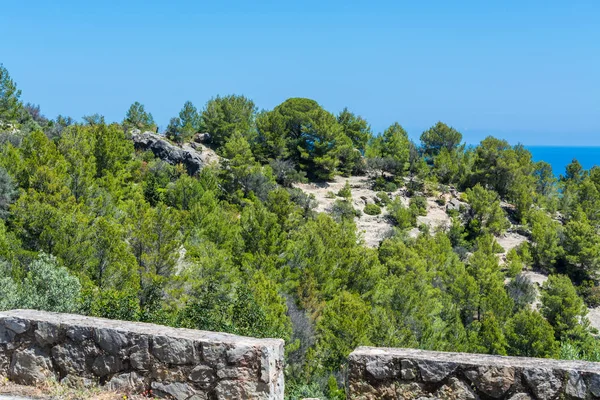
{"x": 419, "y": 205}
{"x": 285, "y": 172}
{"x": 382, "y": 199}
{"x": 342, "y": 210}
{"x": 346, "y": 191}
{"x": 49, "y": 287}
{"x": 402, "y": 216}
{"x": 372, "y": 209}
{"x": 390, "y": 187}
{"x": 441, "y": 201}
{"x": 522, "y": 291}
{"x": 330, "y": 195}
{"x": 110, "y": 303}
{"x": 382, "y": 184}
{"x": 590, "y": 293}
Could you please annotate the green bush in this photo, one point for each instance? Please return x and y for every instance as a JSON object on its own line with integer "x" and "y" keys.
{"x": 372, "y": 209}
{"x": 382, "y": 184}
{"x": 401, "y": 215}
{"x": 110, "y": 303}
{"x": 419, "y": 205}
{"x": 390, "y": 187}
{"x": 49, "y": 287}
{"x": 382, "y": 199}
{"x": 343, "y": 210}
{"x": 346, "y": 191}
{"x": 590, "y": 293}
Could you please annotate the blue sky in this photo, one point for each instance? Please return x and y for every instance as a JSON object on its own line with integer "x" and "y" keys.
{"x": 527, "y": 71}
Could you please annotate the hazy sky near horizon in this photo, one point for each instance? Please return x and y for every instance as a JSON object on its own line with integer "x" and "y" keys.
{"x": 527, "y": 71}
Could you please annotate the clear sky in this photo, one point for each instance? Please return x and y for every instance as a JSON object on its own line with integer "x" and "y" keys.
{"x": 527, "y": 71}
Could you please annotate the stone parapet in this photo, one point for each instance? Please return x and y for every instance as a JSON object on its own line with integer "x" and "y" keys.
{"x": 382, "y": 373}
{"x": 183, "y": 364}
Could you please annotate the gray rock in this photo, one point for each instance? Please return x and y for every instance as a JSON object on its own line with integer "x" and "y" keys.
{"x": 239, "y": 373}
{"x": 110, "y": 340}
{"x": 178, "y": 390}
{"x": 174, "y": 351}
{"x": 542, "y": 383}
{"x": 47, "y": 333}
{"x": 70, "y": 358}
{"x": 75, "y": 381}
{"x": 126, "y": 382}
{"x": 202, "y": 137}
{"x": 493, "y": 381}
{"x": 593, "y": 382}
{"x": 199, "y": 396}
{"x": 6, "y": 335}
{"x": 214, "y": 354}
{"x": 202, "y": 375}
{"x": 433, "y": 371}
{"x": 172, "y": 154}
{"x": 520, "y": 396}
{"x": 453, "y": 204}
{"x": 576, "y": 386}
{"x": 409, "y": 370}
{"x": 79, "y": 333}
{"x": 4, "y": 362}
{"x": 455, "y": 390}
{"x": 230, "y": 389}
{"x": 30, "y": 367}
{"x": 139, "y": 354}
{"x": 106, "y": 365}
{"x": 16, "y": 325}
{"x": 241, "y": 355}
{"x": 268, "y": 363}
{"x": 409, "y": 390}
{"x": 382, "y": 368}
{"x": 140, "y": 359}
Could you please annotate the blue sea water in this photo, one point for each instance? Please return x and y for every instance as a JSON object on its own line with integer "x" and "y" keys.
{"x": 560, "y": 156}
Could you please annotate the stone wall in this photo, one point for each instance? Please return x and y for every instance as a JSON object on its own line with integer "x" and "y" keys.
{"x": 125, "y": 356}
{"x": 378, "y": 373}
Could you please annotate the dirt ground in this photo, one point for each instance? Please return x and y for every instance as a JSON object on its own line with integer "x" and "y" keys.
{"x": 509, "y": 241}
{"x": 374, "y": 228}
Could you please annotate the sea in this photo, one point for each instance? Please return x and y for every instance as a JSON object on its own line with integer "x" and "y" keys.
{"x": 561, "y": 156}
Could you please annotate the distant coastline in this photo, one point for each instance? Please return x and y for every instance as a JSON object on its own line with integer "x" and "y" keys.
{"x": 560, "y": 156}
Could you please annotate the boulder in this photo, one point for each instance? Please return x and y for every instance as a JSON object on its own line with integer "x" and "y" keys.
{"x": 176, "y": 390}
{"x": 455, "y": 390}
{"x": 74, "y": 359}
{"x": 202, "y": 137}
{"x": 542, "y": 382}
{"x": 453, "y": 204}
{"x": 106, "y": 365}
{"x": 202, "y": 375}
{"x": 493, "y": 381}
{"x": 110, "y": 340}
{"x": 382, "y": 368}
{"x": 236, "y": 389}
{"x": 433, "y": 371}
{"x": 30, "y": 367}
{"x": 131, "y": 381}
{"x": 47, "y": 333}
{"x": 174, "y": 351}
{"x": 16, "y": 325}
{"x": 190, "y": 158}
{"x": 576, "y": 387}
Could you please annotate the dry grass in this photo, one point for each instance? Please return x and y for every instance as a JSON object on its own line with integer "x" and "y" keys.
{"x": 55, "y": 391}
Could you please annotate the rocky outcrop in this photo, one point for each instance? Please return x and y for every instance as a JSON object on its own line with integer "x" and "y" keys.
{"x": 181, "y": 364}
{"x": 194, "y": 158}
{"x": 379, "y": 373}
